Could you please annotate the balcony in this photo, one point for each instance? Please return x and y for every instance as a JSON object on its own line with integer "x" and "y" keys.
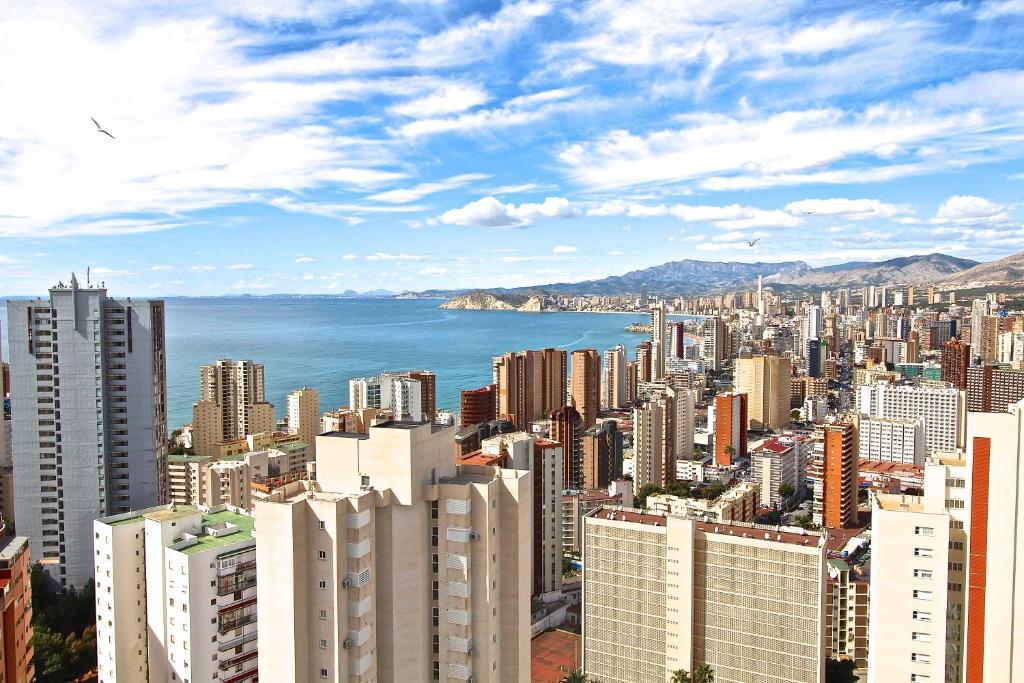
{"x": 235, "y": 642}
{"x": 224, "y": 588}
{"x": 226, "y": 569}
{"x": 250, "y": 675}
{"x": 226, "y": 625}
{"x": 235, "y": 661}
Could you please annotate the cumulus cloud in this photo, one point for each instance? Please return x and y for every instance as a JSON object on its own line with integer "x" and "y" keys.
{"x": 969, "y": 209}
{"x": 241, "y": 266}
{"x": 563, "y": 249}
{"x": 490, "y": 212}
{"x": 305, "y": 259}
{"x": 730, "y": 217}
{"x": 383, "y": 256}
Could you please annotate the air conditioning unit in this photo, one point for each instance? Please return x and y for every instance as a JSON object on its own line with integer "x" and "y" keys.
{"x": 347, "y": 643}
{"x": 470, "y": 650}
{"x": 473, "y": 535}
{"x": 346, "y": 582}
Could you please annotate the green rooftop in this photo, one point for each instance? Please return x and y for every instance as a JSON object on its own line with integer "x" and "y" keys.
{"x": 208, "y": 542}
{"x": 294, "y": 446}
{"x": 187, "y": 458}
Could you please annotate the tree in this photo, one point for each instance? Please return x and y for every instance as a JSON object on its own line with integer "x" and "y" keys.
{"x": 703, "y": 673}
{"x": 680, "y": 676}
{"x": 730, "y": 450}
{"x": 647, "y": 490}
{"x": 576, "y": 676}
{"x": 64, "y": 624}
{"x": 840, "y": 671}
{"x": 786, "y": 489}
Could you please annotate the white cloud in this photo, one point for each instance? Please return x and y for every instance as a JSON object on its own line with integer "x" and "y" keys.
{"x": 449, "y": 99}
{"x": 983, "y": 88}
{"x": 970, "y": 209}
{"x": 432, "y": 271}
{"x": 305, "y": 259}
{"x": 490, "y": 212}
{"x": 162, "y": 269}
{"x": 349, "y": 257}
{"x": 241, "y": 266}
{"x": 200, "y": 269}
{"x": 563, "y": 249}
{"x": 616, "y": 252}
{"x": 853, "y": 209}
{"x": 382, "y": 256}
{"x": 731, "y": 217}
{"x": 411, "y": 194}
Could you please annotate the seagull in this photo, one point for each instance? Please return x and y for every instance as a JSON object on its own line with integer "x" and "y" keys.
{"x": 100, "y": 129}
{"x": 751, "y": 243}
{"x": 808, "y": 213}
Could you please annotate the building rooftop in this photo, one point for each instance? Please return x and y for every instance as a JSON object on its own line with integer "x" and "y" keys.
{"x": 896, "y": 503}
{"x": 554, "y": 655}
{"x": 346, "y": 435}
{"x": 10, "y": 546}
{"x": 187, "y": 458}
{"x": 244, "y": 524}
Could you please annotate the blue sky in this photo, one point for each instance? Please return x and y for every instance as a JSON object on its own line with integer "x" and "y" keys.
{"x": 294, "y": 146}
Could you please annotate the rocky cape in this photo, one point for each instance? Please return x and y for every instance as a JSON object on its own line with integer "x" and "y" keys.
{"x": 481, "y": 300}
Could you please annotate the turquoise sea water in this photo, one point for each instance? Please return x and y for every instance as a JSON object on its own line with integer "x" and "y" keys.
{"x": 323, "y": 343}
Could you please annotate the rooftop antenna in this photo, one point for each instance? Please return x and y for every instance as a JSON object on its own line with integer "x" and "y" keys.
{"x": 88, "y": 276}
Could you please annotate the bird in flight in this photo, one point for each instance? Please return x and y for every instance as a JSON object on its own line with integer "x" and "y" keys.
{"x": 100, "y": 129}
{"x": 751, "y": 243}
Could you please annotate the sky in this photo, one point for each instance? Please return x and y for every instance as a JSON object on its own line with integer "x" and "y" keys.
{"x": 293, "y": 146}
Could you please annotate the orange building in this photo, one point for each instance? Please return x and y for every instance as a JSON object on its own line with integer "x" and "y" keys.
{"x": 586, "y": 384}
{"x": 730, "y": 428}
{"x": 956, "y": 358}
{"x": 478, "y": 405}
{"x": 16, "y": 652}
{"x": 836, "y": 476}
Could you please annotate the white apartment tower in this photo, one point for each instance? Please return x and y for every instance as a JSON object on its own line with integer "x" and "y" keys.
{"x": 397, "y": 565}
{"x": 89, "y": 411}
{"x": 891, "y": 440}
{"x": 176, "y": 595}
{"x": 663, "y": 592}
{"x": 399, "y": 393}
{"x": 945, "y": 565}
{"x": 658, "y": 348}
{"x": 939, "y": 408}
{"x": 613, "y": 378}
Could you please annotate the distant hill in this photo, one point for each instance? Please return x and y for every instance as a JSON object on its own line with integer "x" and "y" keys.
{"x": 904, "y": 270}
{"x": 1009, "y": 269}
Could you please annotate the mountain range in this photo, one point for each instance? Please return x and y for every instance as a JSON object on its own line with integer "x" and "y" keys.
{"x": 690, "y": 277}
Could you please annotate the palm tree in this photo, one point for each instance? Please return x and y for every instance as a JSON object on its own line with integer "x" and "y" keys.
{"x": 680, "y": 676}
{"x": 576, "y": 676}
{"x": 703, "y": 673}
{"x": 730, "y": 451}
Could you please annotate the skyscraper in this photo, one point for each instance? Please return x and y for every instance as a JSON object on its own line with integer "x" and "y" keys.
{"x": 613, "y": 378}
{"x": 834, "y": 465}
{"x": 567, "y": 429}
{"x": 89, "y": 421}
{"x": 643, "y": 361}
{"x": 397, "y": 564}
{"x": 766, "y": 382}
{"x": 939, "y": 408}
{"x": 648, "y": 443}
{"x": 409, "y": 395}
{"x": 586, "y": 384}
{"x": 992, "y": 389}
{"x": 232, "y": 404}
{"x": 730, "y": 428}
{"x": 304, "y": 415}
{"x": 530, "y": 385}
{"x": 658, "y": 340}
{"x": 713, "y": 344}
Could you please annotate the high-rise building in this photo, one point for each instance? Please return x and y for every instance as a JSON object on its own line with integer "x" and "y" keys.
{"x": 888, "y": 440}
{"x": 812, "y": 356}
{"x": 567, "y": 429}
{"x": 956, "y": 358}
{"x": 176, "y": 595}
{"x": 632, "y": 377}
{"x": 601, "y": 455}
{"x": 939, "y": 408}
{"x": 89, "y": 432}
{"x": 586, "y": 384}
{"x": 713, "y": 342}
{"x": 945, "y": 565}
{"x": 232, "y": 404}
{"x": 765, "y": 380}
{"x": 677, "y": 339}
{"x": 979, "y": 309}
{"x": 648, "y": 443}
{"x": 814, "y": 322}
{"x": 396, "y": 564}
{"x": 834, "y": 467}
{"x": 530, "y": 385}
{"x": 408, "y": 395}
{"x": 730, "y": 428}
{"x": 700, "y": 593}
{"x": 991, "y": 389}
{"x": 17, "y": 654}
{"x": 613, "y": 378}
{"x": 658, "y": 340}
{"x": 304, "y": 415}
{"x": 478, "y": 405}
{"x": 643, "y": 361}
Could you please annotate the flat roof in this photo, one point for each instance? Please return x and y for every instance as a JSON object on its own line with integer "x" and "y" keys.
{"x": 896, "y": 503}
{"x": 10, "y": 546}
{"x": 720, "y": 528}
{"x": 208, "y": 542}
{"x": 554, "y": 655}
{"x": 187, "y": 458}
{"x": 346, "y": 435}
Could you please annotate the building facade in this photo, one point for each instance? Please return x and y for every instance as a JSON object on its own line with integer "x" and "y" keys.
{"x": 17, "y": 663}
{"x": 232, "y": 404}
{"x": 730, "y": 428}
{"x": 889, "y": 440}
{"x": 530, "y": 384}
{"x": 765, "y": 380}
{"x": 586, "y": 384}
{"x": 98, "y": 365}
{"x": 304, "y": 415}
{"x": 834, "y": 468}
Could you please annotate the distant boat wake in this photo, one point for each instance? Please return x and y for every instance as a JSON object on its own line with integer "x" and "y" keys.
{"x": 574, "y": 341}
{"x": 443, "y": 318}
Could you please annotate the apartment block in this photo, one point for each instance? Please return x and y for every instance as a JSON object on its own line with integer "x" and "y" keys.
{"x": 663, "y": 592}
{"x": 232, "y": 404}
{"x": 601, "y": 448}
{"x": 408, "y": 395}
{"x": 586, "y": 384}
{"x": 176, "y": 595}
{"x": 658, "y": 340}
{"x": 478, "y": 405}
{"x": 730, "y": 428}
{"x": 778, "y": 461}
{"x": 613, "y": 378}
{"x": 956, "y": 359}
{"x": 992, "y": 389}
{"x": 89, "y": 418}
{"x": 304, "y": 415}
{"x": 738, "y": 504}
{"x": 765, "y": 380}
{"x": 889, "y": 440}
{"x": 846, "y": 613}
{"x": 17, "y": 664}
{"x": 834, "y": 468}
{"x": 530, "y": 384}
{"x": 396, "y": 564}
{"x": 940, "y": 408}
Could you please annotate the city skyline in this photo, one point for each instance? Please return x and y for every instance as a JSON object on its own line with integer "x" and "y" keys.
{"x": 296, "y": 147}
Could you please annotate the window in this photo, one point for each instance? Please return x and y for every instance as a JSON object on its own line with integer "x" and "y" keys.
{"x": 322, "y": 555}
{"x": 323, "y": 643}
{"x": 920, "y": 658}
{"x": 922, "y": 595}
{"x": 924, "y": 531}
{"x": 921, "y": 637}
{"x": 922, "y": 574}
{"x": 323, "y": 585}
{"x": 956, "y": 545}
{"x": 323, "y": 614}
{"x": 323, "y": 524}
{"x": 922, "y": 552}
{"x": 323, "y": 673}
{"x": 922, "y": 616}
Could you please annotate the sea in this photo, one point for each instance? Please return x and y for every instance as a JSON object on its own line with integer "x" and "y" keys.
{"x": 324, "y": 342}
